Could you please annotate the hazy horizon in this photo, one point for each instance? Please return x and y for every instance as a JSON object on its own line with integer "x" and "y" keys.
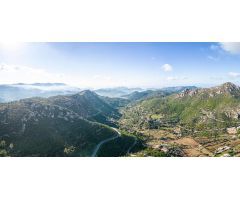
{"x": 109, "y": 65}
{"x": 114, "y": 87}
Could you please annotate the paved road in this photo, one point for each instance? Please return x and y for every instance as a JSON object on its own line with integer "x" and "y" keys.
{"x": 105, "y": 141}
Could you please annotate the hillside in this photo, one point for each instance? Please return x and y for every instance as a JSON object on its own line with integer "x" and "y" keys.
{"x": 36, "y": 127}
{"x": 199, "y": 109}
{"x": 141, "y": 95}
{"x": 116, "y": 103}
{"x": 88, "y": 105}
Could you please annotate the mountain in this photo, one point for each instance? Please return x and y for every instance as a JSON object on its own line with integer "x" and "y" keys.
{"x": 136, "y": 96}
{"x": 37, "y": 127}
{"x": 177, "y": 89}
{"x": 88, "y": 105}
{"x": 13, "y": 92}
{"x": 116, "y": 103}
{"x": 44, "y": 84}
{"x": 208, "y": 109}
{"x": 116, "y": 92}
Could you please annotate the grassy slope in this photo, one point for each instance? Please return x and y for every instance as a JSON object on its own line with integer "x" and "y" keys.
{"x": 186, "y": 110}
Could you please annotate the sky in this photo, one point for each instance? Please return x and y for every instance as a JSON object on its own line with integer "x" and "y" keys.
{"x": 105, "y": 65}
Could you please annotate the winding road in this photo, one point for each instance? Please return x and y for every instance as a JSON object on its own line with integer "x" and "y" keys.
{"x": 105, "y": 141}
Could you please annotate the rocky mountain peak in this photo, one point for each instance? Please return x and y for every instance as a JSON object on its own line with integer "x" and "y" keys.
{"x": 87, "y": 92}
{"x": 189, "y": 92}
{"x": 229, "y": 86}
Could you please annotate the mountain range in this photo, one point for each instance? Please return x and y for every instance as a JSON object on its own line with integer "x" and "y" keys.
{"x": 13, "y": 92}
{"x": 200, "y": 109}
{"x": 117, "y": 91}
{"x": 140, "y": 95}
{"x": 73, "y": 122}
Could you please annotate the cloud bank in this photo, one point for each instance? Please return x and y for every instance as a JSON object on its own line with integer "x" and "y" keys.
{"x": 24, "y": 74}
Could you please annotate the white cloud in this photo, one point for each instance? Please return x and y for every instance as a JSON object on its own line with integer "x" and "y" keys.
{"x": 234, "y": 74}
{"x": 167, "y": 68}
{"x": 24, "y": 74}
{"x": 231, "y": 47}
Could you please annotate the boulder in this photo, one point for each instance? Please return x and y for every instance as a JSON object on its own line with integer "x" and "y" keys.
{"x": 232, "y": 130}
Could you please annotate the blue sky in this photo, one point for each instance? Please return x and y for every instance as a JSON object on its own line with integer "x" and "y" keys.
{"x": 98, "y": 65}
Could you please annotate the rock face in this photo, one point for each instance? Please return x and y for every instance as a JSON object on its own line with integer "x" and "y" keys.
{"x": 232, "y": 130}
{"x": 226, "y": 88}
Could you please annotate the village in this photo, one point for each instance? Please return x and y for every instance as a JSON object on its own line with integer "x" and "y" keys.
{"x": 173, "y": 141}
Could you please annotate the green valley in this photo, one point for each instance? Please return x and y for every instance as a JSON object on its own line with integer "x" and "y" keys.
{"x": 201, "y": 115}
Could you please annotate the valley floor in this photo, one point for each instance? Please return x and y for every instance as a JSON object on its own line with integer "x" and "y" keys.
{"x": 164, "y": 143}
